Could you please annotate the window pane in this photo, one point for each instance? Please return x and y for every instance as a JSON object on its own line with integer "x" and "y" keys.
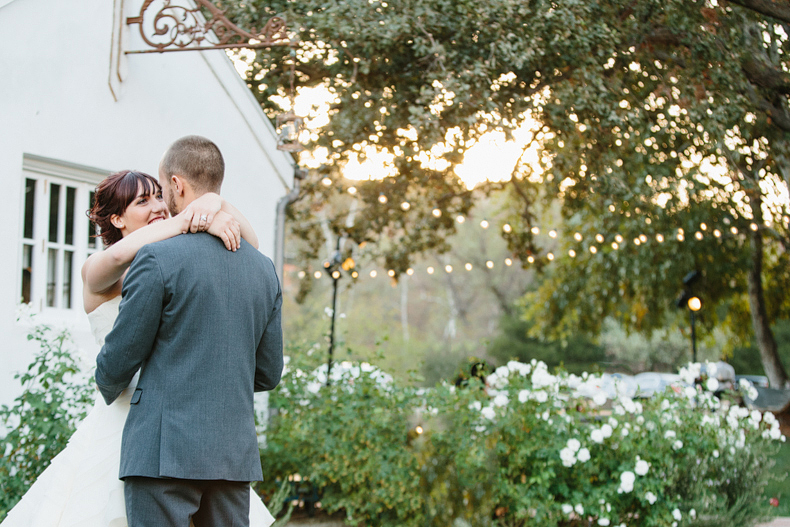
{"x": 68, "y": 258}
{"x": 30, "y": 206}
{"x": 70, "y": 195}
{"x": 27, "y": 272}
{"x": 91, "y": 226}
{"x": 54, "y": 208}
{"x": 52, "y": 270}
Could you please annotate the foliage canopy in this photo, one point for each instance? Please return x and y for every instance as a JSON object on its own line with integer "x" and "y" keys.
{"x": 652, "y": 117}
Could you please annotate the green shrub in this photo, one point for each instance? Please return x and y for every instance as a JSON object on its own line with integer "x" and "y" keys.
{"x": 531, "y": 448}
{"x": 54, "y": 399}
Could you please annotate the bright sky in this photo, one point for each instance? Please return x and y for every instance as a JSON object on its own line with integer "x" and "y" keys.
{"x": 491, "y": 158}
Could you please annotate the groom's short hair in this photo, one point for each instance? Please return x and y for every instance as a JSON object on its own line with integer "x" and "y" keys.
{"x": 198, "y": 160}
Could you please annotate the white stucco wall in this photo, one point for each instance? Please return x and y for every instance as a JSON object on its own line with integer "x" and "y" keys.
{"x": 56, "y": 102}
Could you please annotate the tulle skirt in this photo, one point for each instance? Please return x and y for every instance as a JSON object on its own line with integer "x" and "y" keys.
{"x": 81, "y": 488}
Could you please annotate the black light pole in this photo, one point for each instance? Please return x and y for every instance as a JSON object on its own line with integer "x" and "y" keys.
{"x": 333, "y": 267}
{"x": 334, "y": 273}
{"x": 335, "y": 277}
{"x": 693, "y": 303}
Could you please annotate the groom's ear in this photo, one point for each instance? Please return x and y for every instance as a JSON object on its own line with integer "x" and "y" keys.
{"x": 177, "y": 183}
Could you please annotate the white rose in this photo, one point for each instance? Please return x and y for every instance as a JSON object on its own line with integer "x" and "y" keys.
{"x": 568, "y": 457}
{"x": 597, "y": 436}
{"x": 676, "y": 514}
{"x": 606, "y": 430}
{"x": 669, "y": 434}
{"x": 627, "y": 481}
{"x": 677, "y": 445}
{"x": 488, "y": 412}
{"x": 567, "y": 508}
{"x": 574, "y": 445}
{"x": 501, "y": 400}
{"x": 583, "y": 455}
{"x": 579, "y": 509}
{"x": 642, "y": 467}
{"x": 519, "y": 367}
{"x": 712, "y": 384}
{"x": 541, "y": 396}
{"x": 603, "y": 521}
{"x": 650, "y": 497}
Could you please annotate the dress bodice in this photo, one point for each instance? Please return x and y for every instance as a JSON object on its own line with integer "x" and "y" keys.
{"x": 102, "y": 319}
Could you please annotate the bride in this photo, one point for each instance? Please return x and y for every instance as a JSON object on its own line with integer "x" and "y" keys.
{"x": 81, "y": 486}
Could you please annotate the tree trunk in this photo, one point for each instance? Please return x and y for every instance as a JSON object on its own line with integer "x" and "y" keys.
{"x": 404, "y": 308}
{"x": 774, "y": 370}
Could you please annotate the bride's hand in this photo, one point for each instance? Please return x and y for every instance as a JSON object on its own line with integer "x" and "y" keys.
{"x": 199, "y": 214}
{"x": 227, "y": 229}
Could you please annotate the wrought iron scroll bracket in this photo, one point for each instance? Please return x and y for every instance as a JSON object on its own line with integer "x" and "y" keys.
{"x": 179, "y": 28}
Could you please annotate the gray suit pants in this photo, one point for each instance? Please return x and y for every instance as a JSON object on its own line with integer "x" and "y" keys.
{"x": 152, "y": 502}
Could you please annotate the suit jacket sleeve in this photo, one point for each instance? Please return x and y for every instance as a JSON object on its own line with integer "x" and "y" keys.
{"x": 269, "y": 355}
{"x": 131, "y": 340}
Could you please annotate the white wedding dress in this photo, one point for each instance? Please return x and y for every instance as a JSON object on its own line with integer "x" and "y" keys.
{"x": 80, "y": 487}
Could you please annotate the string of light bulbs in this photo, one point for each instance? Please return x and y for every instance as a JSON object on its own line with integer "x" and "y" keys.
{"x": 616, "y": 242}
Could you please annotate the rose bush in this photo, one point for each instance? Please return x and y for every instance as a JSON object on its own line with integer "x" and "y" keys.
{"x": 530, "y": 447}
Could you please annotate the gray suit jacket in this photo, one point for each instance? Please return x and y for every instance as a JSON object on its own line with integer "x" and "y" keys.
{"x": 204, "y": 326}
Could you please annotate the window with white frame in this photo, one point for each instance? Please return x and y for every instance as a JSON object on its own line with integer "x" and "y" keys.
{"x": 57, "y": 235}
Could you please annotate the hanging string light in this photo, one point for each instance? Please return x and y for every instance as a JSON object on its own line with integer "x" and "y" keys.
{"x": 640, "y": 240}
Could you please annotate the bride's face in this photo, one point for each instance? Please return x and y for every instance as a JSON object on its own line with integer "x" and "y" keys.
{"x": 146, "y": 208}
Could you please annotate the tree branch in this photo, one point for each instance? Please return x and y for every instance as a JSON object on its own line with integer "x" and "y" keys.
{"x": 766, "y": 76}
{"x": 778, "y": 9}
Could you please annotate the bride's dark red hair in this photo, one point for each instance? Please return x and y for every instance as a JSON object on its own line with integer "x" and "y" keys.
{"x": 113, "y": 195}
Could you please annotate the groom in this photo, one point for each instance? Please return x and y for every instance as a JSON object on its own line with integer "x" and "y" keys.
{"x": 203, "y": 325}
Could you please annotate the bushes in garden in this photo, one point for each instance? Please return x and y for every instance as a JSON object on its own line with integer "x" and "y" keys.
{"x": 55, "y": 397}
{"x": 531, "y": 448}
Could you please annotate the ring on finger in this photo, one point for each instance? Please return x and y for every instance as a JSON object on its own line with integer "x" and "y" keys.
{"x": 204, "y": 218}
